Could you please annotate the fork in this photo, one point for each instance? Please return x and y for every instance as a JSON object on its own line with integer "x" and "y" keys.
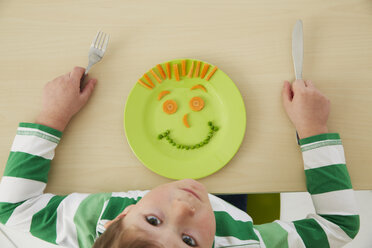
{"x": 96, "y": 52}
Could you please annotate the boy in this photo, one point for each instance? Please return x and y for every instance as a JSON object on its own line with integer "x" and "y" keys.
{"x": 177, "y": 214}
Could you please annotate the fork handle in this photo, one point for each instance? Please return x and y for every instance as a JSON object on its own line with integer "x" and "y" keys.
{"x": 82, "y": 83}
{"x": 88, "y": 68}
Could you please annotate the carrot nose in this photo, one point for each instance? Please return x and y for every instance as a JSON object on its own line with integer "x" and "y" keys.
{"x": 185, "y": 122}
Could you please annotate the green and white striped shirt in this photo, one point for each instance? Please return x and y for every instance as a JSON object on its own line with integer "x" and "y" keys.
{"x": 76, "y": 220}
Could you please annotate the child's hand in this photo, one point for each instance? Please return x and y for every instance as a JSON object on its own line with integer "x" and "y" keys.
{"x": 307, "y": 107}
{"x": 62, "y": 99}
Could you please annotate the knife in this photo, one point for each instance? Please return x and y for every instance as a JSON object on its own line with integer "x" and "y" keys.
{"x": 298, "y": 49}
{"x": 298, "y": 54}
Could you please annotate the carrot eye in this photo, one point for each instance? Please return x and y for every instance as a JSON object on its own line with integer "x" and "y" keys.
{"x": 196, "y": 103}
{"x": 170, "y": 107}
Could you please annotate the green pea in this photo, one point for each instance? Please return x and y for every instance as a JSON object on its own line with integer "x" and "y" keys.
{"x": 208, "y": 137}
{"x": 187, "y": 147}
{"x": 160, "y": 136}
{"x": 215, "y": 129}
{"x": 168, "y": 138}
{"x": 178, "y": 146}
{"x": 192, "y": 147}
{"x": 197, "y": 146}
{"x": 173, "y": 144}
{"x": 210, "y": 123}
{"x": 205, "y": 141}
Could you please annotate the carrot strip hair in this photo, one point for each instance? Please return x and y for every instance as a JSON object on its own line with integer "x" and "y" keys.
{"x": 149, "y": 80}
{"x": 155, "y": 75}
{"x": 191, "y": 70}
{"x": 175, "y": 67}
{"x": 183, "y": 67}
{"x": 161, "y": 71}
{"x": 211, "y": 73}
{"x": 144, "y": 84}
{"x": 197, "y": 69}
{"x": 168, "y": 70}
{"x": 162, "y": 94}
{"x": 204, "y": 71}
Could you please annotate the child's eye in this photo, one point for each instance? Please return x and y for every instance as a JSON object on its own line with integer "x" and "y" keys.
{"x": 188, "y": 240}
{"x": 153, "y": 220}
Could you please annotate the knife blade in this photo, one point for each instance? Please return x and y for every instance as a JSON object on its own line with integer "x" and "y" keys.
{"x": 298, "y": 49}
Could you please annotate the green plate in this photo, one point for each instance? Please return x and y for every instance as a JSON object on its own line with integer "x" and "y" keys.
{"x": 144, "y": 120}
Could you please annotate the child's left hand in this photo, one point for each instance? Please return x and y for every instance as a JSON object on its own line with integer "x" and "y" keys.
{"x": 62, "y": 99}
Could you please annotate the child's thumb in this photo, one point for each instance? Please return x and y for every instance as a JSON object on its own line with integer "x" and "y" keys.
{"x": 88, "y": 89}
{"x": 287, "y": 94}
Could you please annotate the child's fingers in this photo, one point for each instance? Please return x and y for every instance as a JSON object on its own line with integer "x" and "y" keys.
{"x": 287, "y": 94}
{"x": 309, "y": 84}
{"x": 88, "y": 89}
{"x": 77, "y": 73}
{"x": 298, "y": 85}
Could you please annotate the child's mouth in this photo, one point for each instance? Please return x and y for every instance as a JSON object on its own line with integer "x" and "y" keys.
{"x": 191, "y": 192}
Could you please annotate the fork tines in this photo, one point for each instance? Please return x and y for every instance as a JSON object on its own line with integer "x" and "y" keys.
{"x": 100, "y": 41}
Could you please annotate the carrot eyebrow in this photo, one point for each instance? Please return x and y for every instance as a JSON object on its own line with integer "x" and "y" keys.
{"x": 198, "y": 86}
{"x": 162, "y": 94}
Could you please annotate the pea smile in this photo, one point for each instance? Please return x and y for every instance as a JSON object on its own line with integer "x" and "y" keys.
{"x": 166, "y": 135}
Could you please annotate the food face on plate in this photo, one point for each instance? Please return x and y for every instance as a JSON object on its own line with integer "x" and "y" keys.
{"x": 169, "y": 104}
{"x": 184, "y": 119}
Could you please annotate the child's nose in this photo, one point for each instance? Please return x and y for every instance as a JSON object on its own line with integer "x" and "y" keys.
{"x": 182, "y": 208}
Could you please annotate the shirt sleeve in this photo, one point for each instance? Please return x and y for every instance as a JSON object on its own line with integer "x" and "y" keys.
{"x": 68, "y": 220}
{"x": 336, "y": 221}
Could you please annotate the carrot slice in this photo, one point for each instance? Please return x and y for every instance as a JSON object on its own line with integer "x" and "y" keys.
{"x": 211, "y": 73}
{"x": 162, "y": 94}
{"x": 144, "y": 84}
{"x": 175, "y": 67}
{"x": 185, "y": 121}
{"x": 198, "y": 86}
{"x": 204, "y": 71}
{"x": 183, "y": 67}
{"x": 191, "y": 70}
{"x": 161, "y": 71}
{"x": 169, "y": 106}
{"x": 197, "y": 69}
{"x": 196, "y": 103}
{"x": 155, "y": 75}
{"x": 149, "y": 80}
{"x": 168, "y": 70}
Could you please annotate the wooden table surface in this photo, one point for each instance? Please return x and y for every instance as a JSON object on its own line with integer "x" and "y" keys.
{"x": 248, "y": 40}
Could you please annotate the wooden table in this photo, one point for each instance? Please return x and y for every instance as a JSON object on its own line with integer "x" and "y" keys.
{"x": 249, "y": 40}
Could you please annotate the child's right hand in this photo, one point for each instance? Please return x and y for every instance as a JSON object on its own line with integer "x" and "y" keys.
{"x": 63, "y": 98}
{"x": 306, "y": 107}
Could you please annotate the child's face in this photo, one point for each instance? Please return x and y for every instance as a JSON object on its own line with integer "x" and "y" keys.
{"x": 176, "y": 214}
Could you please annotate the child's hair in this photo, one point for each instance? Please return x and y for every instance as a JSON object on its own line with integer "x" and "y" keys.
{"x": 118, "y": 236}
